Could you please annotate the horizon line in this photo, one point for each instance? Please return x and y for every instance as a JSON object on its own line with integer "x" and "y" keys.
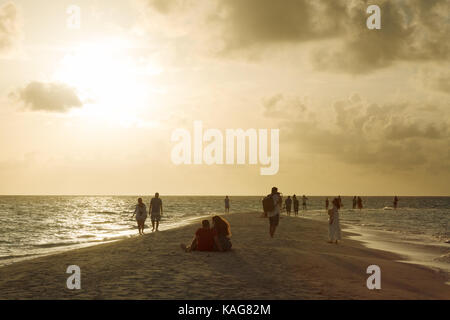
{"x": 207, "y": 195}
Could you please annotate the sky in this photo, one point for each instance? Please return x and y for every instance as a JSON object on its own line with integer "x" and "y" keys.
{"x": 89, "y": 103}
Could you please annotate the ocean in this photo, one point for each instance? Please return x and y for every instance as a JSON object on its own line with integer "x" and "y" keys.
{"x": 32, "y": 226}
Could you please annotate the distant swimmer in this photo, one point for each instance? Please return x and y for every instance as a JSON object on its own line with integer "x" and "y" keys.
{"x": 354, "y": 202}
{"x": 227, "y": 204}
{"x": 327, "y": 204}
{"x": 395, "y": 202}
{"x": 288, "y": 204}
{"x": 141, "y": 215}
{"x": 296, "y": 204}
{"x": 156, "y": 211}
{"x": 360, "y": 204}
{"x": 304, "y": 198}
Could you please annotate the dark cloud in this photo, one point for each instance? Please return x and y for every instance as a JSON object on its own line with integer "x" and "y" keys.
{"x": 164, "y": 6}
{"x": 397, "y": 136}
{"x": 248, "y": 23}
{"x": 413, "y": 30}
{"x": 10, "y": 27}
{"x": 52, "y": 97}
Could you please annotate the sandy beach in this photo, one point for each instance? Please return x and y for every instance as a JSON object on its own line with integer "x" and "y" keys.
{"x": 297, "y": 264}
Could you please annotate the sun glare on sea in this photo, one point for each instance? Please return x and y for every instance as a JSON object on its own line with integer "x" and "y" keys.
{"x": 110, "y": 81}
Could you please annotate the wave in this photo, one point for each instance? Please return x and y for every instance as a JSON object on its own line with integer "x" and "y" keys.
{"x": 17, "y": 256}
{"x": 103, "y": 222}
{"x": 444, "y": 258}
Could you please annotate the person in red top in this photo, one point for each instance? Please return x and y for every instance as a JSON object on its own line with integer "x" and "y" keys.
{"x": 203, "y": 240}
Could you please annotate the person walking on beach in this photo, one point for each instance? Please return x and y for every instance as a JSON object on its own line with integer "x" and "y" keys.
{"x": 360, "y": 204}
{"x": 296, "y": 204}
{"x": 354, "y": 202}
{"x": 272, "y": 205}
{"x": 288, "y": 204}
{"x": 304, "y": 198}
{"x": 222, "y": 234}
{"x": 156, "y": 211}
{"x": 204, "y": 239}
{"x": 334, "y": 228}
{"x": 227, "y": 204}
{"x": 141, "y": 215}
{"x": 327, "y": 204}
{"x": 395, "y": 202}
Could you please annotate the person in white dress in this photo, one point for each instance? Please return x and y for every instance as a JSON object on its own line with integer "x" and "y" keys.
{"x": 334, "y": 228}
{"x": 141, "y": 215}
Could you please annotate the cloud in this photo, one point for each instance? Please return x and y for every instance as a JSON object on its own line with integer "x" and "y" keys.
{"x": 52, "y": 97}
{"x": 394, "y": 136}
{"x": 413, "y": 30}
{"x": 436, "y": 78}
{"x": 10, "y": 28}
{"x": 164, "y": 6}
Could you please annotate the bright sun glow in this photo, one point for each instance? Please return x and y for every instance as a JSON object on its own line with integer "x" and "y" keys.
{"x": 108, "y": 79}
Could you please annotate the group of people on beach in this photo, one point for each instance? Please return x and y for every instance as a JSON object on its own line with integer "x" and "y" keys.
{"x": 218, "y": 236}
{"x": 357, "y": 201}
{"x": 207, "y": 238}
{"x": 155, "y": 211}
{"x": 272, "y": 209}
{"x": 288, "y": 204}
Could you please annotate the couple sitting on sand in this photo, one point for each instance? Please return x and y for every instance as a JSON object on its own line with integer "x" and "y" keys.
{"x": 216, "y": 238}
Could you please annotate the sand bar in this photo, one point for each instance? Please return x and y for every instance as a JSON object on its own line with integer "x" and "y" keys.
{"x": 297, "y": 264}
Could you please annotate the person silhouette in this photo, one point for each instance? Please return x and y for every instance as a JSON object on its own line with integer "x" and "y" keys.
{"x": 156, "y": 211}
{"x": 227, "y": 204}
{"x": 296, "y": 204}
{"x": 288, "y": 205}
{"x": 141, "y": 215}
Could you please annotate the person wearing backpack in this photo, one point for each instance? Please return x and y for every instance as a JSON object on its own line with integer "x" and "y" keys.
{"x": 272, "y": 205}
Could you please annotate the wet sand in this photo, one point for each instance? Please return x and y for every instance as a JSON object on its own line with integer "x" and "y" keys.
{"x": 297, "y": 264}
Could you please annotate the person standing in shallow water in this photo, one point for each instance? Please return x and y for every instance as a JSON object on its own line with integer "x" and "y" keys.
{"x": 360, "y": 204}
{"x": 354, "y": 202}
{"x": 296, "y": 204}
{"x": 304, "y": 198}
{"x": 327, "y": 204}
{"x": 141, "y": 215}
{"x": 395, "y": 202}
{"x": 156, "y": 211}
{"x": 227, "y": 204}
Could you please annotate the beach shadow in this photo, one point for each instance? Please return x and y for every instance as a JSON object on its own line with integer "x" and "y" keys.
{"x": 234, "y": 265}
